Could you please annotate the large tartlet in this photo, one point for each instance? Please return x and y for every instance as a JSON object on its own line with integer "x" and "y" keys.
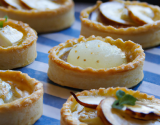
{"x": 22, "y": 53}
{"x": 66, "y": 74}
{"x": 22, "y": 110}
{"x": 43, "y": 20}
{"x": 148, "y": 35}
{"x": 73, "y": 113}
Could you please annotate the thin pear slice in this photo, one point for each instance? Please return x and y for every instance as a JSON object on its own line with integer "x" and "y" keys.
{"x": 14, "y": 3}
{"x": 40, "y": 4}
{"x": 146, "y": 110}
{"x": 88, "y": 101}
{"x": 116, "y": 12}
{"x": 111, "y": 116}
{"x": 140, "y": 14}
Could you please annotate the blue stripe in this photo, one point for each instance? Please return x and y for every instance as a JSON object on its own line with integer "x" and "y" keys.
{"x": 152, "y": 58}
{"x": 151, "y": 77}
{"x": 52, "y": 101}
{"x": 41, "y": 76}
{"x": 71, "y": 32}
{"x": 46, "y": 41}
{"x": 42, "y": 57}
{"x": 77, "y": 16}
{"x": 44, "y": 120}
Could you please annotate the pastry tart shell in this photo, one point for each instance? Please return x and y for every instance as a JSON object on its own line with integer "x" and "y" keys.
{"x": 147, "y": 35}
{"x": 128, "y": 75}
{"x": 23, "y": 111}
{"x": 67, "y": 117}
{"x": 22, "y": 54}
{"x": 43, "y": 21}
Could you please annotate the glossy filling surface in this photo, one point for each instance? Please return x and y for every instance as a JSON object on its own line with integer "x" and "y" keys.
{"x": 96, "y": 54}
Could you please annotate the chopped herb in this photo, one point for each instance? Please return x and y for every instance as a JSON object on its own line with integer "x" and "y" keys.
{"x": 123, "y": 99}
{"x": 1, "y": 22}
{"x": 6, "y": 18}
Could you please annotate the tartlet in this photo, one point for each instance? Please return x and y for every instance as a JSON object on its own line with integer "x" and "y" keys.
{"x": 147, "y": 35}
{"x": 73, "y": 113}
{"x": 43, "y": 20}
{"x": 22, "y": 110}
{"x": 66, "y": 74}
{"x": 22, "y": 53}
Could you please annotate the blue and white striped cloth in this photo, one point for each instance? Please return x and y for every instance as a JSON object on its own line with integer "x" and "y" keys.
{"x": 55, "y": 95}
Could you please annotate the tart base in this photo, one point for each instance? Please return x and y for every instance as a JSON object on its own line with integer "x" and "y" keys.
{"x": 19, "y": 55}
{"x": 23, "y": 111}
{"x": 125, "y": 75}
{"x": 67, "y": 116}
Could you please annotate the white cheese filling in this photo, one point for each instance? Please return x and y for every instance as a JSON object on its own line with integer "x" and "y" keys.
{"x": 9, "y": 36}
{"x": 96, "y": 54}
{"x": 9, "y": 92}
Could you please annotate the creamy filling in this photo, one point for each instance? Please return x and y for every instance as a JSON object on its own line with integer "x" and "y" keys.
{"x": 96, "y": 54}
{"x": 9, "y": 92}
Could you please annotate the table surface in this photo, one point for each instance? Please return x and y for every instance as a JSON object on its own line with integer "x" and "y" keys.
{"x": 55, "y": 95}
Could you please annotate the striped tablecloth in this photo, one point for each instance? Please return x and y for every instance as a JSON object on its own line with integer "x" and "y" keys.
{"x": 55, "y": 95}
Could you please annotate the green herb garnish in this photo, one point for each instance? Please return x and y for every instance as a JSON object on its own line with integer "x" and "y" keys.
{"x": 1, "y": 22}
{"x": 123, "y": 99}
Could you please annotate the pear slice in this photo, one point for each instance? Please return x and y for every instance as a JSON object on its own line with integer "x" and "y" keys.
{"x": 146, "y": 110}
{"x": 115, "y": 12}
{"x": 40, "y": 4}
{"x": 88, "y": 101}
{"x": 141, "y": 15}
{"x": 13, "y": 3}
{"x": 111, "y": 116}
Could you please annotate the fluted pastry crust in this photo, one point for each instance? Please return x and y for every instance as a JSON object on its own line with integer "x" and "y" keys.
{"x": 23, "y": 111}
{"x": 128, "y": 75}
{"x": 66, "y": 111}
{"x": 44, "y": 21}
{"x": 147, "y": 35}
{"x": 21, "y": 54}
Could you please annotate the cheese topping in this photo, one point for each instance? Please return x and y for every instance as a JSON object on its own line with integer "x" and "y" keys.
{"x": 9, "y": 92}
{"x": 96, "y": 54}
{"x": 9, "y": 36}
{"x": 41, "y": 4}
{"x": 5, "y": 92}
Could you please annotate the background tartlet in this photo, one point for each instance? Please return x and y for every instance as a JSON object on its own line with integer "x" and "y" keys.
{"x": 43, "y": 20}
{"x": 147, "y": 35}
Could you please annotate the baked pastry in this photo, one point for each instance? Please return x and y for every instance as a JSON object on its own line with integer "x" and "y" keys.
{"x": 41, "y": 15}
{"x": 17, "y": 44}
{"x": 95, "y": 62}
{"x": 105, "y": 113}
{"x": 21, "y": 98}
{"x": 129, "y": 20}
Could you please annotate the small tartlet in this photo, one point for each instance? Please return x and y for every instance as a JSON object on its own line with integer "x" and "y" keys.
{"x": 24, "y": 52}
{"x": 147, "y": 35}
{"x": 43, "y": 20}
{"x": 23, "y": 111}
{"x": 70, "y": 106}
{"x": 126, "y": 75}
